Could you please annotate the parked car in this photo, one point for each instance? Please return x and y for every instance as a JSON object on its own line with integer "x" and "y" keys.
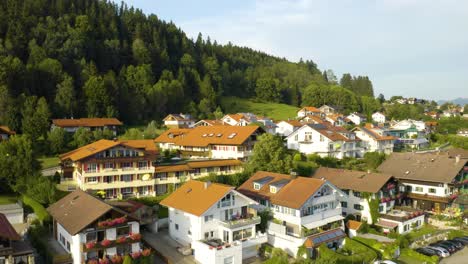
{"x": 462, "y": 240}
{"x": 441, "y": 252}
{"x": 457, "y": 244}
{"x": 427, "y": 251}
{"x": 449, "y": 246}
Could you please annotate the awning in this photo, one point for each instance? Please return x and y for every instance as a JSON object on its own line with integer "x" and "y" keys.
{"x": 325, "y": 237}
{"x": 315, "y": 224}
{"x": 386, "y": 224}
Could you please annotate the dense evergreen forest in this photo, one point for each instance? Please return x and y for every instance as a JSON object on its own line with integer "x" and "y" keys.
{"x": 92, "y": 58}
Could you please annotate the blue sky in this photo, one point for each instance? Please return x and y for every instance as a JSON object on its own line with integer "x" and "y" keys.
{"x": 413, "y": 48}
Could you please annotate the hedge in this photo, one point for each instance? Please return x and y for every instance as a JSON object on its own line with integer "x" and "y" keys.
{"x": 38, "y": 209}
{"x": 358, "y": 253}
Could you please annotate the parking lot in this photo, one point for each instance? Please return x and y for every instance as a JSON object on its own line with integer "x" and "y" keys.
{"x": 457, "y": 258}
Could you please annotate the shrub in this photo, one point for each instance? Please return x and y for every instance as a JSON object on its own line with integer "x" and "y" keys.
{"x": 38, "y": 209}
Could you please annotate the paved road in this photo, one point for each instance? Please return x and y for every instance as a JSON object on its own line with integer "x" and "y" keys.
{"x": 461, "y": 257}
{"x": 162, "y": 243}
{"x": 50, "y": 171}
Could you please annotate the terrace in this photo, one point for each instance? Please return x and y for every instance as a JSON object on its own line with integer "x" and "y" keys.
{"x": 402, "y": 214}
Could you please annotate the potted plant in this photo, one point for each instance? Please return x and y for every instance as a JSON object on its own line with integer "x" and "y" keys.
{"x": 90, "y": 245}
{"x": 105, "y": 243}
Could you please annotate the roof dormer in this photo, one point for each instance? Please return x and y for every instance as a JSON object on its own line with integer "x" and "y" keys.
{"x": 258, "y": 184}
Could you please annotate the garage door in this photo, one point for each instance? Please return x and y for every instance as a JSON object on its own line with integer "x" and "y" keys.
{"x": 249, "y": 252}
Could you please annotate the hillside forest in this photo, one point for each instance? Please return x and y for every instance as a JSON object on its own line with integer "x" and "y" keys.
{"x": 92, "y": 58}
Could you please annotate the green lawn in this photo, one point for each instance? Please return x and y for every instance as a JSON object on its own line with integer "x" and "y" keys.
{"x": 49, "y": 162}
{"x": 8, "y": 199}
{"x": 272, "y": 110}
{"x": 426, "y": 229}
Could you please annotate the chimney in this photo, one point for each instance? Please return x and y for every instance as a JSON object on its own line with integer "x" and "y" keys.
{"x": 207, "y": 184}
{"x": 115, "y": 139}
{"x": 293, "y": 174}
{"x": 457, "y": 159}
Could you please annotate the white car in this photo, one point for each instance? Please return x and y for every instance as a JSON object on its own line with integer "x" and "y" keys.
{"x": 443, "y": 252}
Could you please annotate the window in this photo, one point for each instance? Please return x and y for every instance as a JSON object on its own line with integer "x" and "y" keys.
{"x": 344, "y": 204}
{"x": 418, "y": 189}
{"x": 108, "y": 165}
{"x": 346, "y": 191}
{"x": 92, "y": 179}
{"x": 68, "y": 246}
{"x": 91, "y": 236}
{"x": 308, "y": 136}
{"x": 296, "y": 137}
{"x": 358, "y": 207}
{"x": 123, "y": 231}
{"x": 126, "y": 178}
{"x": 380, "y": 208}
{"x": 126, "y": 190}
{"x": 189, "y": 232}
{"x": 432, "y": 190}
{"x": 256, "y": 186}
{"x": 124, "y": 249}
{"x": 176, "y": 227}
{"x": 272, "y": 189}
{"x": 357, "y": 194}
{"x": 208, "y": 218}
{"x": 322, "y": 138}
{"x": 229, "y": 260}
{"x": 142, "y": 164}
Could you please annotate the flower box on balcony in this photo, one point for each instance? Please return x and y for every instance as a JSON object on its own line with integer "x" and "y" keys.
{"x": 135, "y": 237}
{"x": 90, "y": 245}
{"x": 121, "y": 240}
{"x": 219, "y": 248}
{"x": 106, "y": 243}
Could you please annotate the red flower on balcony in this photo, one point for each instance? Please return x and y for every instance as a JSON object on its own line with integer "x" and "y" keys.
{"x": 105, "y": 243}
{"x": 453, "y": 196}
{"x": 116, "y": 259}
{"x": 121, "y": 240}
{"x": 146, "y": 252}
{"x": 219, "y": 247}
{"x": 119, "y": 221}
{"x": 135, "y": 255}
{"x": 90, "y": 245}
{"x": 135, "y": 237}
{"x": 103, "y": 224}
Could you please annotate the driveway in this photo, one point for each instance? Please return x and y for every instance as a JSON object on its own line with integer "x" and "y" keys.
{"x": 458, "y": 258}
{"x": 166, "y": 246}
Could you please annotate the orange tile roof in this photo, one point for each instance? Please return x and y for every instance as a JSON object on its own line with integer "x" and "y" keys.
{"x": 86, "y": 122}
{"x": 373, "y": 134}
{"x": 172, "y": 135}
{"x": 203, "y": 136}
{"x": 315, "y": 119}
{"x": 236, "y": 117}
{"x": 353, "y": 180}
{"x": 103, "y": 144}
{"x": 354, "y": 225}
{"x": 194, "y": 198}
{"x": 7, "y": 130}
{"x": 177, "y": 117}
{"x": 310, "y": 109}
{"x": 293, "y": 195}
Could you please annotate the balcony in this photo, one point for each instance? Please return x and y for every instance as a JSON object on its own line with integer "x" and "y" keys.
{"x": 118, "y": 184}
{"x": 258, "y": 239}
{"x": 113, "y": 171}
{"x": 253, "y": 220}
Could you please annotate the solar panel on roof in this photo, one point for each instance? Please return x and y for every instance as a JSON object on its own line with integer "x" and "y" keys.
{"x": 280, "y": 183}
{"x": 264, "y": 180}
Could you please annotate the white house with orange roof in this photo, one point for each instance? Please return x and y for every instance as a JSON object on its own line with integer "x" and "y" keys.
{"x": 216, "y": 142}
{"x": 72, "y": 125}
{"x": 217, "y": 222}
{"x": 306, "y": 211}
{"x": 284, "y": 128}
{"x": 309, "y": 110}
{"x": 179, "y": 121}
{"x": 379, "y": 118}
{"x": 326, "y": 141}
{"x": 374, "y": 139}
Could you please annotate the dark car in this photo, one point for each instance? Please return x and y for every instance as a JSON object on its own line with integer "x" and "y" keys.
{"x": 461, "y": 240}
{"x": 427, "y": 251}
{"x": 457, "y": 244}
{"x": 451, "y": 248}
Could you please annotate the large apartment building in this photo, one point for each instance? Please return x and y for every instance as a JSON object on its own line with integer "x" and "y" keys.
{"x": 215, "y": 142}
{"x": 306, "y": 211}
{"x": 120, "y": 168}
{"x": 432, "y": 180}
{"x": 324, "y": 140}
{"x": 90, "y": 229}
{"x": 130, "y": 168}
{"x": 215, "y": 221}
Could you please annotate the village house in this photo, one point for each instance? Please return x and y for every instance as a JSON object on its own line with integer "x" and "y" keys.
{"x": 378, "y": 118}
{"x": 362, "y": 187}
{"x": 121, "y": 168}
{"x": 374, "y": 139}
{"x": 90, "y": 229}
{"x": 326, "y": 141}
{"x": 285, "y": 128}
{"x": 216, "y": 142}
{"x": 337, "y": 119}
{"x": 309, "y": 110}
{"x": 306, "y": 211}
{"x": 236, "y": 120}
{"x": 179, "y": 121}
{"x": 409, "y": 133}
{"x": 72, "y": 125}
{"x": 6, "y": 133}
{"x": 13, "y": 249}
{"x": 462, "y": 132}
{"x": 245, "y": 119}
{"x": 357, "y": 118}
{"x": 433, "y": 114}
{"x": 217, "y": 222}
{"x": 330, "y": 109}
{"x": 209, "y": 122}
{"x": 431, "y": 180}
{"x": 312, "y": 119}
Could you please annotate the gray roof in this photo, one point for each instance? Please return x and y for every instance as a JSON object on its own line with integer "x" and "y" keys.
{"x": 431, "y": 167}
